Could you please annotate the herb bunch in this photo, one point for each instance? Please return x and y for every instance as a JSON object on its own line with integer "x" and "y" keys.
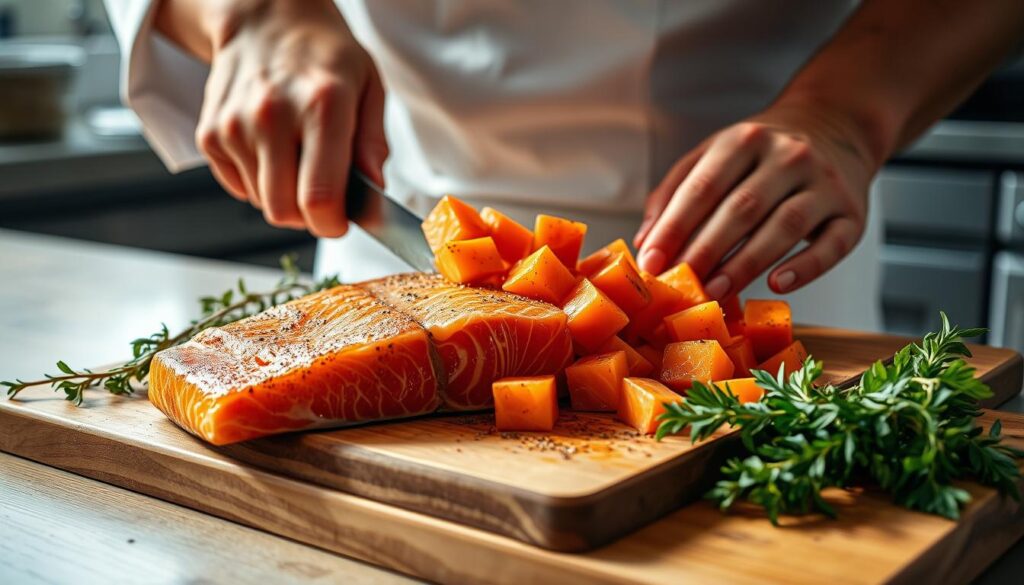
{"x": 232, "y": 305}
{"x": 909, "y": 427}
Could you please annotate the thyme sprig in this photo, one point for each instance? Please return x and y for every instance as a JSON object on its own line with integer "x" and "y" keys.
{"x": 232, "y": 305}
{"x": 908, "y": 427}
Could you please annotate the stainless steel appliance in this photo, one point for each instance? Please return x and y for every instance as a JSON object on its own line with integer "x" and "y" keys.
{"x": 953, "y": 206}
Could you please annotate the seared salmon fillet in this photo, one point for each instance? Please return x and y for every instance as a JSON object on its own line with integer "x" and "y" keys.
{"x": 336, "y": 357}
{"x": 481, "y": 335}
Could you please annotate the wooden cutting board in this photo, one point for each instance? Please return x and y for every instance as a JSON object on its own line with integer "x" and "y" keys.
{"x": 456, "y": 467}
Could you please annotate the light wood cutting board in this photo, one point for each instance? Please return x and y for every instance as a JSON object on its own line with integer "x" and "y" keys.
{"x": 129, "y": 443}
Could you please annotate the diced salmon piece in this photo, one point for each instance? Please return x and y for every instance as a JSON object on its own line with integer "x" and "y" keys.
{"x": 686, "y": 361}
{"x": 643, "y": 401}
{"x": 623, "y": 284}
{"x": 514, "y": 241}
{"x": 593, "y": 317}
{"x": 469, "y": 261}
{"x": 682, "y": 278}
{"x": 600, "y": 257}
{"x": 769, "y": 326}
{"x": 733, "y": 315}
{"x": 703, "y": 321}
{"x": 791, "y": 358}
{"x": 563, "y": 236}
{"x": 639, "y": 366}
{"x": 665, "y": 300}
{"x": 336, "y": 357}
{"x": 452, "y": 219}
{"x": 540, "y": 276}
{"x": 745, "y": 389}
{"x": 525, "y": 403}
{"x": 741, "y": 352}
{"x": 595, "y": 382}
{"x": 652, "y": 355}
{"x": 481, "y": 335}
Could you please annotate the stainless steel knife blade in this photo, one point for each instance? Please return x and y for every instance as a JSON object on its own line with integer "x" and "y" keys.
{"x": 388, "y": 221}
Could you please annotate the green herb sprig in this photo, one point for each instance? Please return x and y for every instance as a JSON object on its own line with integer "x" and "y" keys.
{"x": 908, "y": 427}
{"x": 232, "y": 305}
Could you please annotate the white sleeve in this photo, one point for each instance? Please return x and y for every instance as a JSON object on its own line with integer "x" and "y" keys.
{"x": 162, "y": 83}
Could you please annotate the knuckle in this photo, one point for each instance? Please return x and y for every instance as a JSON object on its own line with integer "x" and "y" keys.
{"x": 329, "y": 93}
{"x": 702, "y": 187}
{"x": 795, "y": 218}
{"x": 701, "y": 256}
{"x": 206, "y": 139}
{"x": 270, "y": 106}
{"x": 749, "y": 134}
{"x": 230, "y": 128}
{"x": 745, "y": 205}
{"x": 745, "y": 267}
{"x": 797, "y": 154}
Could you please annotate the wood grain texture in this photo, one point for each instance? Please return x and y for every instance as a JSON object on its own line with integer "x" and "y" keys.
{"x": 61, "y": 528}
{"x": 126, "y": 442}
{"x": 583, "y": 485}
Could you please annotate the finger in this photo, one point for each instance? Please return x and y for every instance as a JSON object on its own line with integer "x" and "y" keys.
{"x": 371, "y": 145}
{"x": 661, "y": 194}
{"x": 236, "y": 147}
{"x": 221, "y": 166}
{"x": 745, "y": 208}
{"x": 835, "y": 241}
{"x": 786, "y": 227}
{"x": 276, "y": 155}
{"x": 726, "y": 161}
{"x": 326, "y": 155}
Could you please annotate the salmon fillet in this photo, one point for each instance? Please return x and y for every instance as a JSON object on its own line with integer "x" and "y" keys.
{"x": 335, "y": 357}
{"x": 481, "y": 335}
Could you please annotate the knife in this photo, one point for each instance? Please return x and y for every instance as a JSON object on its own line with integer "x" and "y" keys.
{"x": 388, "y": 221}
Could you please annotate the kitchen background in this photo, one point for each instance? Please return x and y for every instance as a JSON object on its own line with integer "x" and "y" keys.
{"x": 953, "y": 204}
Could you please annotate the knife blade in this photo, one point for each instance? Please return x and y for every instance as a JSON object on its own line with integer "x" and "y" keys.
{"x": 388, "y": 221}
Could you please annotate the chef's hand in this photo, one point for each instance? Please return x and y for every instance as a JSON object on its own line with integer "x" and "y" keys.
{"x": 292, "y": 100}
{"x": 761, "y": 187}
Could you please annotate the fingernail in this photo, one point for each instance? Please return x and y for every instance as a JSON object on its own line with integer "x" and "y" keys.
{"x": 785, "y": 280}
{"x": 718, "y": 286}
{"x": 652, "y": 260}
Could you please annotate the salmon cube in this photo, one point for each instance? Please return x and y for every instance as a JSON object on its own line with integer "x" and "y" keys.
{"x": 525, "y": 404}
{"x": 623, "y": 285}
{"x": 741, "y": 352}
{"x": 769, "y": 326}
{"x": 659, "y": 336}
{"x": 563, "y": 236}
{"x": 469, "y": 261}
{"x": 686, "y": 361}
{"x": 682, "y": 278}
{"x": 593, "y": 317}
{"x": 652, "y": 354}
{"x": 665, "y": 300}
{"x": 638, "y": 364}
{"x": 745, "y": 389}
{"x": 600, "y": 257}
{"x": 452, "y": 219}
{"x": 703, "y": 321}
{"x": 733, "y": 315}
{"x": 514, "y": 241}
{"x": 643, "y": 401}
{"x": 595, "y": 382}
{"x": 540, "y": 276}
{"x": 790, "y": 359}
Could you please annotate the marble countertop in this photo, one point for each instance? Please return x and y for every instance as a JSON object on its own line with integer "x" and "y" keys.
{"x": 81, "y": 302}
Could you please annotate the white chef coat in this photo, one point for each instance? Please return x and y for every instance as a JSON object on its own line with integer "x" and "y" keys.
{"x": 574, "y": 107}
